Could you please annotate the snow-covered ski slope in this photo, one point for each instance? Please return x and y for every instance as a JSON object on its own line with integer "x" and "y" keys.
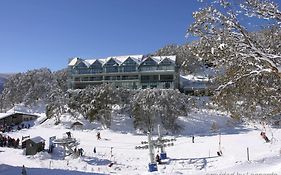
{"x": 117, "y": 145}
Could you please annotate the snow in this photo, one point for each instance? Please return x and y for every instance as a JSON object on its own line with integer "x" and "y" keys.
{"x": 161, "y": 58}
{"x": 184, "y": 157}
{"x": 120, "y": 59}
{"x": 37, "y": 139}
{"x": 73, "y": 61}
{"x": 221, "y": 46}
{"x": 4, "y": 115}
{"x": 191, "y": 77}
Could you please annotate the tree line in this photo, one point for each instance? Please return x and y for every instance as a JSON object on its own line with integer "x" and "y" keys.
{"x": 147, "y": 107}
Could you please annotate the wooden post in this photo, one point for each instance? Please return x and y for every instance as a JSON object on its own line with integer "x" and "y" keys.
{"x": 219, "y": 141}
{"x": 248, "y": 155}
{"x": 160, "y": 139}
{"x": 150, "y": 146}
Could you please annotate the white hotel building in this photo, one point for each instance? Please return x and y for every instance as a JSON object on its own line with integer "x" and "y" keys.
{"x": 133, "y": 72}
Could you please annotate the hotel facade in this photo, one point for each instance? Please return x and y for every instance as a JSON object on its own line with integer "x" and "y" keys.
{"x": 132, "y": 72}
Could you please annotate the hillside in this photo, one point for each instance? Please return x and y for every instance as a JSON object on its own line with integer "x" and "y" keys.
{"x": 3, "y": 79}
{"x": 117, "y": 145}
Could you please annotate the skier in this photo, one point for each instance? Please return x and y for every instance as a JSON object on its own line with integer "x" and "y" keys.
{"x": 219, "y": 153}
{"x": 80, "y": 151}
{"x": 192, "y": 139}
{"x": 68, "y": 134}
{"x": 95, "y": 151}
{"x": 98, "y": 136}
{"x": 265, "y": 137}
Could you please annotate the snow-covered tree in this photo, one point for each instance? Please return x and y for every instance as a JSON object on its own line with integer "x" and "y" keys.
{"x": 61, "y": 78}
{"x": 95, "y": 103}
{"x": 12, "y": 94}
{"x": 249, "y": 60}
{"x": 35, "y": 85}
{"x": 158, "y": 106}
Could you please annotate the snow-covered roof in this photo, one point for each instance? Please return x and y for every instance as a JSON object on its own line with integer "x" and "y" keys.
{"x": 37, "y": 139}
{"x": 161, "y": 58}
{"x": 90, "y": 62}
{"x": 4, "y": 115}
{"x": 194, "y": 82}
{"x": 194, "y": 78}
{"x": 86, "y": 63}
{"x": 73, "y": 62}
{"x": 120, "y": 59}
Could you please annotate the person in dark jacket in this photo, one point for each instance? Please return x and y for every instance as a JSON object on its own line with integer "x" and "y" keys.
{"x": 158, "y": 159}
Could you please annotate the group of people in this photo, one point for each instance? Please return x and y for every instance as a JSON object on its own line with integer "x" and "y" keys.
{"x": 8, "y": 141}
{"x": 23, "y": 126}
{"x": 80, "y": 151}
{"x": 6, "y": 128}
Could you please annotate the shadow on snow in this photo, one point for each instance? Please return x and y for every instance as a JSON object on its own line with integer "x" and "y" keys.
{"x": 13, "y": 170}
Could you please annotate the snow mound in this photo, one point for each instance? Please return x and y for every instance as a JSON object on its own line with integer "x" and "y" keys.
{"x": 208, "y": 122}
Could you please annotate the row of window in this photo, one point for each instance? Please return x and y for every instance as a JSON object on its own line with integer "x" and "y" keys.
{"x": 112, "y": 69}
{"x": 133, "y": 85}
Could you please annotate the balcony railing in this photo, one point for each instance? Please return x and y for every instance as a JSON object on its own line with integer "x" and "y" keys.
{"x": 122, "y": 69}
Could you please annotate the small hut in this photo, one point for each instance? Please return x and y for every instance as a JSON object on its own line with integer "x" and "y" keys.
{"x": 34, "y": 145}
{"x": 77, "y": 125}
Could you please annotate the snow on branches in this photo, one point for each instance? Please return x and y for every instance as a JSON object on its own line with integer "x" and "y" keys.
{"x": 243, "y": 39}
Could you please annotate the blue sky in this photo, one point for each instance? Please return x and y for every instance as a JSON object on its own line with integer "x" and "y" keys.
{"x": 46, "y": 33}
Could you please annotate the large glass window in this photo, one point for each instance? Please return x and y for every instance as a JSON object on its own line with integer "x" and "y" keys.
{"x": 148, "y": 68}
{"x": 96, "y": 67}
{"x": 111, "y": 66}
{"x": 149, "y": 78}
{"x": 96, "y": 78}
{"x": 85, "y": 78}
{"x": 81, "y": 68}
{"x": 130, "y": 77}
{"x": 129, "y": 65}
{"x": 111, "y": 69}
{"x": 132, "y": 68}
{"x": 166, "y": 78}
{"x": 83, "y": 71}
{"x": 166, "y": 67}
{"x": 112, "y": 77}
